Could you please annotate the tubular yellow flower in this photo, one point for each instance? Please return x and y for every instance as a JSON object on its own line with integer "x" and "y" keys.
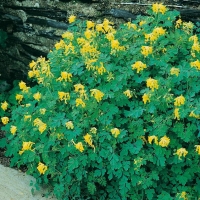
{"x": 178, "y": 23}
{"x": 97, "y": 94}
{"x": 69, "y": 125}
{"x": 65, "y": 76}
{"x": 183, "y": 195}
{"x": 193, "y": 38}
{"x": 146, "y": 50}
{"x": 59, "y": 45}
{"x": 78, "y": 87}
{"x": 140, "y": 66}
{"x": 26, "y": 146}
{"x": 90, "y": 24}
{"x": 13, "y": 129}
{"x": 145, "y": 98}
{"x": 88, "y": 34}
{"x": 93, "y": 130}
{"x": 37, "y": 96}
{"x": 79, "y": 101}
{"x": 79, "y": 146}
{"x": 26, "y": 117}
{"x": 197, "y": 149}
{"x": 181, "y": 152}
{"x": 142, "y": 23}
{"x": 42, "y": 111}
{"x": 19, "y": 97}
{"x": 152, "y": 83}
{"x": 130, "y": 25}
{"x": 72, "y": 19}
{"x": 115, "y": 45}
{"x": 153, "y": 138}
{"x": 4, "y": 105}
{"x": 64, "y": 96}
{"x": 31, "y": 74}
{"x": 192, "y": 114}
{"x": 179, "y": 101}
{"x": 41, "y": 125}
{"x": 164, "y": 141}
{"x": 88, "y": 140}
{"x": 174, "y": 71}
{"x": 23, "y": 87}
{"x": 5, "y": 120}
{"x": 101, "y": 69}
{"x": 176, "y": 114}
{"x": 159, "y": 8}
{"x": 68, "y": 35}
{"x": 42, "y": 168}
{"x": 128, "y": 93}
{"x": 32, "y": 64}
{"x": 195, "y": 64}
{"x": 115, "y": 132}
{"x": 110, "y": 36}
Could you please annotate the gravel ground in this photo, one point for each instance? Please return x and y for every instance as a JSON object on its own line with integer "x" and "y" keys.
{"x": 14, "y": 185}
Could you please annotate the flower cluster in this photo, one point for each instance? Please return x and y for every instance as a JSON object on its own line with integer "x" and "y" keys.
{"x": 41, "y": 125}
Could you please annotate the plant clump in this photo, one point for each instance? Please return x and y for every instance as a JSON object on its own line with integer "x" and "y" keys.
{"x": 115, "y": 112}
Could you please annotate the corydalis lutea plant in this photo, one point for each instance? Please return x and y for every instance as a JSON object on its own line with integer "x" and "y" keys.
{"x": 115, "y": 112}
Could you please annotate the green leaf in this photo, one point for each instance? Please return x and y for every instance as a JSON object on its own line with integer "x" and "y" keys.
{"x": 91, "y": 188}
{"x": 73, "y": 164}
{"x": 3, "y": 142}
{"x": 150, "y": 193}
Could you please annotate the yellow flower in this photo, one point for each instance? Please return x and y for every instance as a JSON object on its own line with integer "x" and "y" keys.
{"x": 32, "y": 64}
{"x": 64, "y": 96}
{"x": 146, "y": 50}
{"x": 142, "y": 23}
{"x": 13, "y": 129}
{"x": 68, "y": 35}
{"x": 27, "y": 117}
{"x": 197, "y": 149}
{"x": 69, "y": 125}
{"x": 193, "y": 38}
{"x": 90, "y": 24}
{"x": 4, "y": 105}
{"x": 101, "y": 69}
{"x": 130, "y": 25}
{"x": 110, "y": 36}
{"x": 31, "y": 74}
{"x": 72, "y": 19}
{"x": 37, "y": 96}
{"x": 159, "y": 8}
{"x": 140, "y": 66}
{"x": 88, "y": 34}
{"x": 5, "y": 120}
{"x": 115, "y": 132}
{"x": 65, "y": 76}
{"x": 26, "y": 146}
{"x": 42, "y": 111}
{"x": 19, "y": 97}
{"x": 115, "y": 45}
{"x": 41, "y": 125}
{"x": 79, "y": 146}
{"x": 181, "y": 152}
{"x": 99, "y": 28}
{"x": 42, "y": 168}
{"x": 128, "y": 93}
{"x": 145, "y": 98}
{"x": 174, "y": 71}
{"x": 176, "y": 114}
{"x": 107, "y": 26}
{"x": 23, "y": 87}
{"x": 79, "y": 101}
{"x": 59, "y": 45}
{"x": 183, "y": 195}
{"x": 78, "y": 87}
{"x": 97, "y": 94}
{"x": 93, "y": 130}
{"x": 179, "y": 101}
{"x": 192, "y": 114}
{"x": 152, "y": 83}
{"x": 178, "y": 23}
{"x": 88, "y": 140}
{"x": 151, "y": 138}
{"x": 195, "y": 64}
{"x": 164, "y": 141}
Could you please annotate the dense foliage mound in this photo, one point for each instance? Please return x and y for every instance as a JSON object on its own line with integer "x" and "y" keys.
{"x": 115, "y": 113}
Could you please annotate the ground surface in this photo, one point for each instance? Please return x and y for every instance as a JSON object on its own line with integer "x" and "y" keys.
{"x": 15, "y": 185}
